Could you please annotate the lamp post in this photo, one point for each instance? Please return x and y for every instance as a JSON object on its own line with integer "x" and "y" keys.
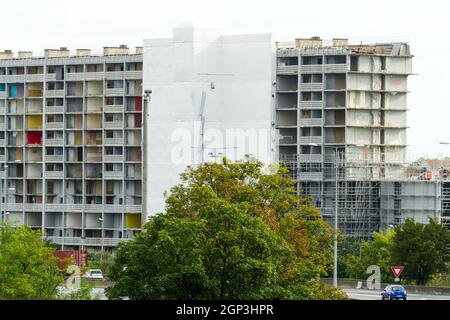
{"x": 102, "y": 234}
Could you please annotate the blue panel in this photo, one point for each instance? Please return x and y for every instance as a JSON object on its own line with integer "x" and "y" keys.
{"x": 2, "y": 87}
{"x": 13, "y": 90}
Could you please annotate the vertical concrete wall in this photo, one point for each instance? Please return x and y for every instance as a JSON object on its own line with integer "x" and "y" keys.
{"x": 233, "y": 73}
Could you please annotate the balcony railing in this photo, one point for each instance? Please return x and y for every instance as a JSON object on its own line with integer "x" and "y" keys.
{"x": 313, "y": 68}
{"x": 311, "y": 86}
{"x": 54, "y": 174}
{"x": 310, "y": 139}
{"x": 94, "y": 75}
{"x": 113, "y": 141}
{"x": 35, "y": 77}
{"x": 311, "y": 176}
{"x": 287, "y": 69}
{"x": 54, "y": 158}
{"x": 135, "y": 75}
{"x": 54, "y": 109}
{"x": 114, "y": 75}
{"x": 113, "y": 108}
{"x": 54, "y": 93}
{"x": 311, "y": 122}
{"x": 113, "y": 124}
{"x": 133, "y": 208}
{"x": 311, "y": 104}
{"x": 333, "y": 68}
{"x": 113, "y": 174}
{"x": 310, "y": 157}
{"x": 3, "y": 95}
{"x": 15, "y": 78}
{"x": 75, "y": 76}
{"x": 54, "y": 142}
{"x": 54, "y": 125}
{"x": 114, "y": 92}
{"x": 113, "y": 158}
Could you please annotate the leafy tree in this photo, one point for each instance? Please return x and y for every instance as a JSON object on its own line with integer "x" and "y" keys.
{"x": 374, "y": 252}
{"x": 231, "y": 231}
{"x": 421, "y": 248}
{"x": 28, "y": 269}
{"x": 84, "y": 292}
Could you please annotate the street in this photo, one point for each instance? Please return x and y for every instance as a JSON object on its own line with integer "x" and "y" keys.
{"x": 361, "y": 294}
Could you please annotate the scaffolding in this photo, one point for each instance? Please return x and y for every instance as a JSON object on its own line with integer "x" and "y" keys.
{"x": 353, "y": 180}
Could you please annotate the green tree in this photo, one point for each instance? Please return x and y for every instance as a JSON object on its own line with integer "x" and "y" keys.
{"x": 28, "y": 268}
{"x": 421, "y": 248}
{"x": 231, "y": 231}
{"x": 374, "y": 252}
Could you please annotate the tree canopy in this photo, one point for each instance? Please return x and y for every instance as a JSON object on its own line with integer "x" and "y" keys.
{"x": 230, "y": 231}
{"x": 423, "y": 249}
{"x": 28, "y": 268}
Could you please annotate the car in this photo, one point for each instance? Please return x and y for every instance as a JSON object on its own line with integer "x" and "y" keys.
{"x": 93, "y": 274}
{"x": 394, "y": 292}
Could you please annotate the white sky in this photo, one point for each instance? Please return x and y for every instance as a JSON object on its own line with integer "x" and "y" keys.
{"x": 38, "y": 24}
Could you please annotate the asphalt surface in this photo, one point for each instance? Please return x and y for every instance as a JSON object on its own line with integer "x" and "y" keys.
{"x": 361, "y": 294}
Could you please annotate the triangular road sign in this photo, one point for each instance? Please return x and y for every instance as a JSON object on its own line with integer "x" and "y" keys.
{"x": 397, "y": 270}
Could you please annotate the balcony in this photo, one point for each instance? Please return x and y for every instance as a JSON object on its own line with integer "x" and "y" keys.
{"x": 15, "y": 78}
{"x": 113, "y": 158}
{"x": 54, "y": 93}
{"x": 2, "y": 141}
{"x": 93, "y": 207}
{"x": 311, "y": 122}
{"x": 35, "y": 77}
{"x": 54, "y": 109}
{"x": 310, "y": 176}
{"x": 311, "y": 86}
{"x": 287, "y": 69}
{"x": 54, "y": 125}
{"x": 113, "y": 174}
{"x": 311, "y": 104}
{"x": 113, "y": 242}
{"x": 2, "y": 158}
{"x": 3, "y": 94}
{"x": 114, "y": 75}
{"x": 93, "y": 76}
{"x": 113, "y": 141}
{"x": 133, "y": 75}
{"x": 54, "y": 158}
{"x": 114, "y": 92}
{"x": 112, "y": 108}
{"x": 2, "y": 126}
{"x": 133, "y": 208}
{"x": 50, "y": 77}
{"x": 113, "y": 124}
{"x": 33, "y": 206}
{"x": 310, "y": 157}
{"x": 310, "y": 139}
{"x": 54, "y": 174}
{"x": 311, "y": 68}
{"x": 335, "y": 68}
{"x": 54, "y": 142}
{"x": 75, "y": 76}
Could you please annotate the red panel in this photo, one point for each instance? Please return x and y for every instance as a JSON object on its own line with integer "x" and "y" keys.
{"x": 34, "y": 137}
{"x": 138, "y": 104}
{"x": 137, "y": 120}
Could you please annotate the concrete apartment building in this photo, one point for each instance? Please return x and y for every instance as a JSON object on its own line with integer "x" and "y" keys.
{"x": 71, "y": 144}
{"x": 89, "y": 157}
{"x": 341, "y": 116}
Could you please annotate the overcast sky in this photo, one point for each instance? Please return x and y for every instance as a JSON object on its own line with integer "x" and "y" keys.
{"x": 38, "y": 24}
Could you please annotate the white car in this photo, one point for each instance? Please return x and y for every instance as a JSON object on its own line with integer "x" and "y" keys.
{"x": 93, "y": 274}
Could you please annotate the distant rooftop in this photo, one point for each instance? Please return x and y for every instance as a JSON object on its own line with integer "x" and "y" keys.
{"x": 372, "y": 46}
{"x": 64, "y": 52}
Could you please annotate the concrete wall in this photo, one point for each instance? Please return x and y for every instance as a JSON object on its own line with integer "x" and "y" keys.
{"x": 235, "y": 75}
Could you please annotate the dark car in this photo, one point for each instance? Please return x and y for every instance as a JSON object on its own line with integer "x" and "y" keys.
{"x": 394, "y": 292}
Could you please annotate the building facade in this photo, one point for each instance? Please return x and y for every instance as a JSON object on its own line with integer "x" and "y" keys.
{"x": 71, "y": 144}
{"x": 341, "y": 118}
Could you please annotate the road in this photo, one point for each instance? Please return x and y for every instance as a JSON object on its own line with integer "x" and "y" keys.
{"x": 361, "y": 294}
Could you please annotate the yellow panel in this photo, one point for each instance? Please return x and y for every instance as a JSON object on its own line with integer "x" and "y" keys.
{"x": 78, "y": 138}
{"x": 132, "y": 220}
{"x": 34, "y": 122}
{"x": 34, "y": 93}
